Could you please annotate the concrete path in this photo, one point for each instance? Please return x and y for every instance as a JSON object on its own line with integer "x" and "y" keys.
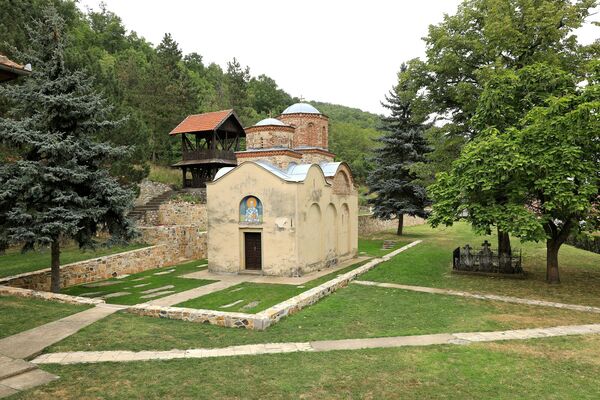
{"x": 33, "y": 341}
{"x": 316, "y": 346}
{"x": 506, "y": 299}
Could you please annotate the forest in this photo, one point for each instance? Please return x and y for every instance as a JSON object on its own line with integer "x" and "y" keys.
{"x": 153, "y": 87}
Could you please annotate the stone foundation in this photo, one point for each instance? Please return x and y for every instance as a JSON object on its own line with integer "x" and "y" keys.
{"x": 35, "y": 294}
{"x": 367, "y": 224}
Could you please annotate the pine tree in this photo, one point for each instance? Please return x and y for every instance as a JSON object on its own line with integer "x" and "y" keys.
{"x": 57, "y": 185}
{"x": 398, "y": 190}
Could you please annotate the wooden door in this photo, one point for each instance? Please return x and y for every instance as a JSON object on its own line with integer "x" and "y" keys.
{"x": 253, "y": 250}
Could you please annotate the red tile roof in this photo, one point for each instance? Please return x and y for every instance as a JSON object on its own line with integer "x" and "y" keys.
{"x": 201, "y": 122}
{"x": 10, "y": 69}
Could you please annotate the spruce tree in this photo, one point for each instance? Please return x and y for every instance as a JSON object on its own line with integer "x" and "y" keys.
{"x": 398, "y": 190}
{"x": 57, "y": 186}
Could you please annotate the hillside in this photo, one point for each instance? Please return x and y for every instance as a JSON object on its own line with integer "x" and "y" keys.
{"x": 351, "y": 134}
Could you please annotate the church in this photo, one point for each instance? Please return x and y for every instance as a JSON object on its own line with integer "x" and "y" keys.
{"x": 285, "y": 208}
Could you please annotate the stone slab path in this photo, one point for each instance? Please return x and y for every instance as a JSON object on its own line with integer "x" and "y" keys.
{"x": 480, "y": 296}
{"x": 32, "y": 342}
{"x": 225, "y": 281}
{"x": 317, "y": 346}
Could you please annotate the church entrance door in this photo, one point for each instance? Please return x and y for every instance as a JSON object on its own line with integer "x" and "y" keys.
{"x": 253, "y": 250}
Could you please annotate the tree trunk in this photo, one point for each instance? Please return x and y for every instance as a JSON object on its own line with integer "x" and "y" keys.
{"x": 504, "y": 251}
{"x": 552, "y": 247}
{"x": 400, "y": 224}
{"x": 55, "y": 267}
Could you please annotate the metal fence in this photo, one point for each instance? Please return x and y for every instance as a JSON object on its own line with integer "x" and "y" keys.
{"x": 485, "y": 260}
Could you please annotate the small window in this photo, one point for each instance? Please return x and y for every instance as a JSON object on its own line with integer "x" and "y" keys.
{"x": 251, "y": 210}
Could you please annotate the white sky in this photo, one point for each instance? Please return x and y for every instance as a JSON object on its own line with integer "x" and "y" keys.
{"x": 343, "y": 52}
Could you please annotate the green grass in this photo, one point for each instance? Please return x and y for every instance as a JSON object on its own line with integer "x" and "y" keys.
{"x": 147, "y": 278}
{"x": 265, "y": 294}
{"x": 168, "y": 176}
{"x": 552, "y": 368}
{"x": 18, "y": 314}
{"x": 429, "y": 264}
{"x": 352, "y": 312}
{"x": 374, "y": 247}
{"x": 268, "y": 295}
{"x": 15, "y": 262}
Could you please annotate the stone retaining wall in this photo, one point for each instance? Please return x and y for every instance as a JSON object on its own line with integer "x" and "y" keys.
{"x": 270, "y": 316}
{"x": 367, "y": 224}
{"x": 171, "y": 245}
{"x": 149, "y": 190}
{"x": 176, "y": 212}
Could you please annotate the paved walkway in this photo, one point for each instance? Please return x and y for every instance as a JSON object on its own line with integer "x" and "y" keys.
{"x": 32, "y": 342}
{"x": 506, "y": 299}
{"x": 226, "y": 281}
{"x": 316, "y": 346}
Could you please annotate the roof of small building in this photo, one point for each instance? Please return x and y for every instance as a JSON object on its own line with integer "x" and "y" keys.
{"x": 202, "y": 122}
{"x": 270, "y": 121}
{"x": 10, "y": 69}
{"x": 294, "y": 173}
{"x": 301, "y": 108}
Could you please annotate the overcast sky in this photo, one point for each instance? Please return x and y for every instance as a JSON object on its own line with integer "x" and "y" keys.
{"x": 344, "y": 52}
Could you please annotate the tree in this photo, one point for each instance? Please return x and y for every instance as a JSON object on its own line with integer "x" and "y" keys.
{"x": 58, "y": 187}
{"x": 392, "y": 180}
{"x": 547, "y": 170}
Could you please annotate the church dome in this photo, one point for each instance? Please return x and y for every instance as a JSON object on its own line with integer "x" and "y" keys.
{"x": 269, "y": 121}
{"x": 301, "y": 108}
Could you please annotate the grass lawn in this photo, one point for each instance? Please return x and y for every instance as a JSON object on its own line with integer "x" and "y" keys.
{"x": 265, "y": 294}
{"x": 14, "y": 262}
{"x": 147, "y": 280}
{"x": 352, "y": 312}
{"x": 18, "y": 314}
{"x": 373, "y": 247}
{"x": 552, "y": 368}
{"x": 429, "y": 264}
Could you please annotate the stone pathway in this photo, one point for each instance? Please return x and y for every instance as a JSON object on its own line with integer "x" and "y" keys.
{"x": 17, "y": 374}
{"x": 317, "y": 346}
{"x": 32, "y": 342}
{"x": 506, "y": 299}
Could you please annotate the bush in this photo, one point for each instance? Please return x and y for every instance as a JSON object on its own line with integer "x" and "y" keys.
{"x": 585, "y": 242}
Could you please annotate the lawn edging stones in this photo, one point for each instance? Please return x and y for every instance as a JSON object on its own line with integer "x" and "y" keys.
{"x": 272, "y": 315}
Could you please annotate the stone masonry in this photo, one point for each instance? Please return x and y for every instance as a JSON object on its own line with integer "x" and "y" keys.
{"x": 171, "y": 245}
{"x": 367, "y": 224}
{"x": 150, "y": 190}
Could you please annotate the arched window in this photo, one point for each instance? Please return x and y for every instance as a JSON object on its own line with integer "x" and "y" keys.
{"x": 251, "y": 210}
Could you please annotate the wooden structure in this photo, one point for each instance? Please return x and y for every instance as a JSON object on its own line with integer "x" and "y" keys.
{"x": 209, "y": 142}
{"x": 10, "y": 70}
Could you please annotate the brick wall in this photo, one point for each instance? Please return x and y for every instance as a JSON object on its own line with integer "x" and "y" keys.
{"x": 311, "y": 129}
{"x": 268, "y": 137}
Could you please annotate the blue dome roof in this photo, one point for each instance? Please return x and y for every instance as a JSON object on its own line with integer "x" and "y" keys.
{"x": 270, "y": 121}
{"x": 301, "y": 108}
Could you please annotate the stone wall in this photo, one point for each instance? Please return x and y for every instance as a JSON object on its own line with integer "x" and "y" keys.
{"x": 36, "y": 294}
{"x": 171, "y": 245}
{"x": 367, "y": 224}
{"x": 311, "y": 129}
{"x": 279, "y": 158}
{"x": 176, "y": 212}
{"x": 149, "y": 190}
{"x": 270, "y": 136}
